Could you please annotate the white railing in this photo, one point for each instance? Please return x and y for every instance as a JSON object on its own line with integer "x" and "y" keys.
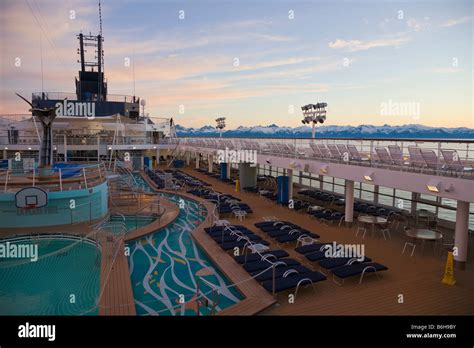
{"x": 438, "y": 157}
{"x": 87, "y": 176}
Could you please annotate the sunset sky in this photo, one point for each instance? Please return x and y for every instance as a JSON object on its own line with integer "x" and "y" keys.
{"x": 253, "y": 62}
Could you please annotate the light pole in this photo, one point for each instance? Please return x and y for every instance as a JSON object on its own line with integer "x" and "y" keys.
{"x": 314, "y": 113}
{"x": 220, "y": 125}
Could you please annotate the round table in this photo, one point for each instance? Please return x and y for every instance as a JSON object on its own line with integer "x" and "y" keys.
{"x": 372, "y": 220}
{"x": 425, "y": 215}
{"x": 424, "y": 235}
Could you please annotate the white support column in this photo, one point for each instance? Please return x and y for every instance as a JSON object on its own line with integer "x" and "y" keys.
{"x": 210, "y": 162}
{"x": 197, "y": 160}
{"x": 289, "y": 173}
{"x": 188, "y": 158}
{"x": 157, "y": 157}
{"x": 376, "y": 194}
{"x": 349, "y": 200}
{"x": 461, "y": 234}
{"x": 228, "y": 168}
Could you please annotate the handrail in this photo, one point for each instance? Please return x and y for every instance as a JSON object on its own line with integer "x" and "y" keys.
{"x": 435, "y": 140}
{"x": 91, "y": 175}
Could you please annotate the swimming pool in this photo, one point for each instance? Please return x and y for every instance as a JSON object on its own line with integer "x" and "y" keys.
{"x": 132, "y": 222}
{"x": 141, "y": 183}
{"x": 65, "y": 280}
{"x": 165, "y": 265}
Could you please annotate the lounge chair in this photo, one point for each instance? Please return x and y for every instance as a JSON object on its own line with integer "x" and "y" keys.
{"x": 396, "y": 154}
{"x": 293, "y": 281}
{"x": 383, "y": 156}
{"x": 454, "y": 163}
{"x": 345, "y": 154}
{"x": 416, "y": 158}
{"x": 324, "y": 151}
{"x": 276, "y": 254}
{"x": 357, "y": 269}
{"x": 431, "y": 160}
{"x": 280, "y": 272}
{"x": 317, "y": 153}
{"x": 261, "y": 265}
{"x": 335, "y": 262}
{"x": 305, "y": 249}
{"x": 335, "y": 154}
{"x": 355, "y": 155}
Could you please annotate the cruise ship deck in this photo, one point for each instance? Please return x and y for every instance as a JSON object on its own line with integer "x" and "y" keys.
{"x": 417, "y": 278}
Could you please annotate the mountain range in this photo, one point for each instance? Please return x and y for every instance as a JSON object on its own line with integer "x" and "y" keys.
{"x": 362, "y": 131}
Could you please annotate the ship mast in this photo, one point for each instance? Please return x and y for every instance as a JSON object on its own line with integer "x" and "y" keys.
{"x": 91, "y": 85}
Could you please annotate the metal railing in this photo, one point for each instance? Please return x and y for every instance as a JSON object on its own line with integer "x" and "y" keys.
{"x": 61, "y": 179}
{"x": 73, "y": 97}
{"x": 437, "y": 157}
{"x": 79, "y": 139}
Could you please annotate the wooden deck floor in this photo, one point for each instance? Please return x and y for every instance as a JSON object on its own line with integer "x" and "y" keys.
{"x": 417, "y": 279}
{"x": 116, "y": 296}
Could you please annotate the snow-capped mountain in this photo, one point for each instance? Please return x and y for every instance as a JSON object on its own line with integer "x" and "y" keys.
{"x": 362, "y": 131}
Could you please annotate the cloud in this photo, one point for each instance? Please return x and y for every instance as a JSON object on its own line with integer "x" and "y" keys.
{"x": 361, "y": 45}
{"x": 419, "y": 25}
{"x": 453, "y": 22}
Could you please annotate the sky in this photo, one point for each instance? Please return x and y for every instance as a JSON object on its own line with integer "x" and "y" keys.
{"x": 253, "y": 62}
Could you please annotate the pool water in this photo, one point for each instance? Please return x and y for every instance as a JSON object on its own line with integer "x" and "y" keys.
{"x": 64, "y": 267}
{"x": 163, "y": 269}
{"x": 141, "y": 183}
{"x": 132, "y": 222}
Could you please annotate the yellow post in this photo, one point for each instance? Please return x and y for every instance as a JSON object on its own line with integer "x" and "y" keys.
{"x": 449, "y": 270}
{"x": 237, "y": 185}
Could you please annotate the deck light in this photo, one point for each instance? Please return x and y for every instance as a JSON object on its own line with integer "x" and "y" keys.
{"x": 433, "y": 186}
{"x": 29, "y": 148}
{"x": 369, "y": 176}
{"x": 314, "y": 114}
{"x": 220, "y": 125}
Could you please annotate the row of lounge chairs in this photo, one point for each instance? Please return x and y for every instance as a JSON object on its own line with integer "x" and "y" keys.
{"x": 274, "y": 269}
{"x": 323, "y": 197}
{"x": 230, "y": 237}
{"x": 340, "y": 267}
{"x": 226, "y": 203}
{"x": 190, "y": 180}
{"x": 327, "y": 215}
{"x": 336, "y": 200}
{"x": 157, "y": 178}
{"x": 284, "y": 231}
